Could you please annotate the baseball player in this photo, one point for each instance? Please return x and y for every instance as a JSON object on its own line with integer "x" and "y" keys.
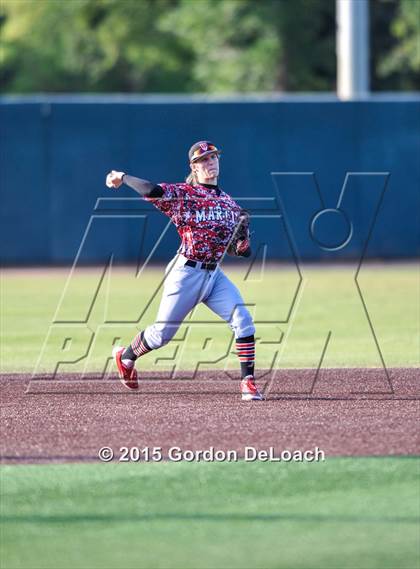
{"x": 209, "y": 223}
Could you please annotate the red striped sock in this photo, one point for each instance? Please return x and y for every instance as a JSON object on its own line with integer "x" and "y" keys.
{"x": 139, "y": 345}
{"x": 245, "y": 348}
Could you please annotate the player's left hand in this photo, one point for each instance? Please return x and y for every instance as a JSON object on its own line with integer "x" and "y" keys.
{"x": 243, "y": 248}
{"x": 240, "y": 245}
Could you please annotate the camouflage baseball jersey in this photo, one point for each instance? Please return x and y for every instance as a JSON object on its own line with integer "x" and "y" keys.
{"x": 204, "y": 215}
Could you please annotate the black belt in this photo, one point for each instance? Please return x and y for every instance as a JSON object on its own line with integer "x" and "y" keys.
{"x": 207, "y": 266}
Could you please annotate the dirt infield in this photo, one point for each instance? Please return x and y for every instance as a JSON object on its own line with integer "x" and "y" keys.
{"x": 342, "y": 411}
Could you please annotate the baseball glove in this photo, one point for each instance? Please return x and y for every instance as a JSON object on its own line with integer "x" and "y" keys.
{"x": 240, "y": 244}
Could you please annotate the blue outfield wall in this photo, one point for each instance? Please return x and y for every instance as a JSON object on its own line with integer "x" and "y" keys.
{"x": 55, "y": 153}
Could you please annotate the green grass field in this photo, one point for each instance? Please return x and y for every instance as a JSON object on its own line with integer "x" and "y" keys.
{"x": 342, "y": 513}
{"x": 350, "y": 513}
{"x": 327, "y": 300}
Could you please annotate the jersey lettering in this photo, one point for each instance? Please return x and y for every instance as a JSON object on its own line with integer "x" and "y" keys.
{"x": 204, "y": 220}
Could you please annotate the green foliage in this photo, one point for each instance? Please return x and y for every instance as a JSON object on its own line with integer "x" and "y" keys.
{"x": 236, "y": 44}
{"x": 308, "y": 28}
{"x": 90, "y": 45}
{"x": 244, "y": 45}
{"x": 405, "y": 54}
{"x": 194, "y": 45}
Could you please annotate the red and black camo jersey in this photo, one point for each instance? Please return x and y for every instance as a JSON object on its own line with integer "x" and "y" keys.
{"x": 204, "y": 220}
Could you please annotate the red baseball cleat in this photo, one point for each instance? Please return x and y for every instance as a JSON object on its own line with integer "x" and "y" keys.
{"x": 127, "y": 375}
{"x": 249, "y": 390}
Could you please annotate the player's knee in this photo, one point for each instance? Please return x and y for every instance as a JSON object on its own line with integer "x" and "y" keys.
{"x": 242, "y": 323}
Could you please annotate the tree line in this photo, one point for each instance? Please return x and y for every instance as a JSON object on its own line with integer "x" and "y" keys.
{"x": 207, "y": 46}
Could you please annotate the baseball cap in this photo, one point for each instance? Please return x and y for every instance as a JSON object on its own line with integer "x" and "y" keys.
{"x": 200, "y": 149}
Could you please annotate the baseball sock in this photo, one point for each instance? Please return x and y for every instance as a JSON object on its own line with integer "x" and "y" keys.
{"x": 137, "y": 348}
{"x": 245, "y": 348}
